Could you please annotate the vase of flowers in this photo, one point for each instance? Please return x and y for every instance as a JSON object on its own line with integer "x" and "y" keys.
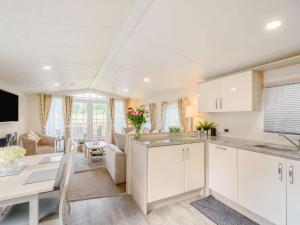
{"x": 10, "y": 158}
{"x": 137, "y": 117}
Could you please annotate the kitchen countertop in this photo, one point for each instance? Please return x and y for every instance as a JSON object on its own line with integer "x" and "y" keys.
{"x": 224, "y": 141}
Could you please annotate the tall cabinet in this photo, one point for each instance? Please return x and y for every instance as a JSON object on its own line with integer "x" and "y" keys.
{"x": 238, "y": 92}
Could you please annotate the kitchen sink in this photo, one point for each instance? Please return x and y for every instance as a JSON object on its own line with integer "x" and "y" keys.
{"x": 275, "y": 147}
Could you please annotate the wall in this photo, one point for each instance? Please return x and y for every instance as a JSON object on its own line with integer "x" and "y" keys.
{"x": 21, "y": 126}
{"x": 34, "y": 116}
{"x": 248, "y": 125}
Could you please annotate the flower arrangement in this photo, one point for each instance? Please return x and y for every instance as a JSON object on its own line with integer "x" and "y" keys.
{"x": 137, "y": 117}
{"x": 174, "y": 129}
{"x": 11, "y": 153}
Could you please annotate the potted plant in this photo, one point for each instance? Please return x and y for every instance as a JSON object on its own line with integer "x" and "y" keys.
{"x": 206, "y": 126}
{"x": 137, "y": 117}
{"x": 80, "y": 147}
{"x": 174, "y": 130}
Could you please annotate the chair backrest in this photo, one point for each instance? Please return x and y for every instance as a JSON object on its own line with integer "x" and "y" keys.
{"x": 64, "y": 183}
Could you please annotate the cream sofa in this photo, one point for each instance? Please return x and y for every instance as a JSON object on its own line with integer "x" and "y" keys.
{"x": 116, "y": 163}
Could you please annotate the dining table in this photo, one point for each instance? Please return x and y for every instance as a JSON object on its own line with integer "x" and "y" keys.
{"x": 20, "y": 188}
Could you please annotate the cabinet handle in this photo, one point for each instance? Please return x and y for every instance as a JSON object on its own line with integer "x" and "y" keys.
{"x": 216, "y": 103}
{"x": 217, "y": 147}
{"x": 291, "y": 174}
{"x": 280, "y": 171}
{"x": 187, "y": 153}
{"x": 182, "y": 157}
{"x": 221, "y": 103}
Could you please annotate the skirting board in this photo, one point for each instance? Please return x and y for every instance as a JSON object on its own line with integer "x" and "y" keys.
{"x": 174, "y": 199}
{"x": 240, "y": 209}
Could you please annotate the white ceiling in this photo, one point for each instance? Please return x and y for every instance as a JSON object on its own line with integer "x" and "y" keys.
{"x": 73, "y": 37}
{"x": 176, "y": 43}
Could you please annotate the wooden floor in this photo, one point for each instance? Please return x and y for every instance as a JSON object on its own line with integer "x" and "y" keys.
{"x": 122, "y": 210}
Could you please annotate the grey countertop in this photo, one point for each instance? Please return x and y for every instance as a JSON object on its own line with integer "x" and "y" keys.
{"x": 289, "y": 153}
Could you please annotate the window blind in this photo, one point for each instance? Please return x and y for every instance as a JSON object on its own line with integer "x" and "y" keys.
{"x": 282, "y": 109}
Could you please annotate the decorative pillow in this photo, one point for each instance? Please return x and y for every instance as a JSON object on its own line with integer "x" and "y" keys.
{"x": 33, "y": 136}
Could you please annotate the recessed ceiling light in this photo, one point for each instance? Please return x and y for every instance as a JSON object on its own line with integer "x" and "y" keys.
{"x": 47, "y": 67}
{"x": 56, "y": 84}
{"x": 146, "y": 79}
{"x": 126, "y": 90}
{"x": 232, "y": 89}
{"x": 273, "y": 25}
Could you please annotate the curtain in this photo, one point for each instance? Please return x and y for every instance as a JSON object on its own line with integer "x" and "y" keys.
{"x": 68, "y": 106}
{"x": 112, "y": 119}
{"x": 56, "y": 123}
{"x": 152, "y": 107}
{"x": 170, "y": 115}
{"x": 45, "y": 105}
{"x": 162, "y": 112}
{"x": 120, "y": 116}
{"x": 182, "y": 104}
{"x": 126, "y": 106}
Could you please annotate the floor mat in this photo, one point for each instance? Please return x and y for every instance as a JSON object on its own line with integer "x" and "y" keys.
{"x": 220, "y": 213}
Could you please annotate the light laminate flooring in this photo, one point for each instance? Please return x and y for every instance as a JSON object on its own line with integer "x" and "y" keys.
{"x": 122, "y": 210}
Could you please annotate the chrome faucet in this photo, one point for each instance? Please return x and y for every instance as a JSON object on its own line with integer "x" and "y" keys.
{"x": 292, "y": 142}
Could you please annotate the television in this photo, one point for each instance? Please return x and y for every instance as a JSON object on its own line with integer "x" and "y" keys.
{"x": 9, "y": 111}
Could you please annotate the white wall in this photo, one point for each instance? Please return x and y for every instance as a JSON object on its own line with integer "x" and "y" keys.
{"x": 34, "y": 116}
{"x": 22, "y": 125}
{"x": 248, "y": 125}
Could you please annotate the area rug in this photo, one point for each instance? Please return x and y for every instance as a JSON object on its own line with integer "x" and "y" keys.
{"x": 94, "y": 183}
{"x": 81, "y": 164}
{"x": 220, "y": 213}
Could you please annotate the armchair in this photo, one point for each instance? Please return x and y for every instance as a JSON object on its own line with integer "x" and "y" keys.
{"x": 44, "y": 146}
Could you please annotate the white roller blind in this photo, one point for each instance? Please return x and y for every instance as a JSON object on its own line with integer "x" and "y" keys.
{"x": 282, "y": 109}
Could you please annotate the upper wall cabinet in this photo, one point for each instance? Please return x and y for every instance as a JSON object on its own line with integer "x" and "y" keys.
{"x": 235, "y": 93}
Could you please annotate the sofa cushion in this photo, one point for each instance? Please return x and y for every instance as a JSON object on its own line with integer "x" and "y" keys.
{"x": 44, "y": 149}
{"x": 33, "y": 136}
{"x": 120, "y": 141}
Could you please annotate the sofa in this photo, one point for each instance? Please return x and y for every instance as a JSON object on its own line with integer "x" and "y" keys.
{"x": 116, "y": 163}
{"x": 45, "y": 145}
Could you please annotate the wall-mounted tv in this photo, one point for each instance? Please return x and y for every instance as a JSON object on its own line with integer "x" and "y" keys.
{"x": 9, "y": 110}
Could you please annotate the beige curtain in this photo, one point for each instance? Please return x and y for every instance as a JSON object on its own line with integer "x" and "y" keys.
{"x": 68, "y": 106}
{"x": 162, "y": 117}
{"x": 182, "y": 104}
{"x": 126, "y": 106}
{"x": 112, "y": 119}
{"x": 152, "y": 107}
{"x": 45, "y": 105}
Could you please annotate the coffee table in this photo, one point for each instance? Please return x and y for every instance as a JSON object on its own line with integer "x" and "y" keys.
{"x": 94, "y": 149}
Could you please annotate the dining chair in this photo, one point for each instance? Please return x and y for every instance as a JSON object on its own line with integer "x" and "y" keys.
{"x": 50, "y": 209}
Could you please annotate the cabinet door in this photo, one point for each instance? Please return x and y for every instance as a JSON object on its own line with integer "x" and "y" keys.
{"x": 165, "y": 172}
{"x": 194, "y": 166}
{"x": 208, "y": 96}
{"x": 223, "y": 171}
{"x": 293, "y": 192}
{"x": 262, "y": 185}
{"x": 236, "y": 92}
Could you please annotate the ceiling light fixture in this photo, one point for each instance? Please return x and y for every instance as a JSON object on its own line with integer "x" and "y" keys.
{"x": 56, "y": 84}
{"x": 146, "y": 79}
{"x": 273, "y": 25}
{"x": 47, "y": 67}
{"x": 126, "y": 90}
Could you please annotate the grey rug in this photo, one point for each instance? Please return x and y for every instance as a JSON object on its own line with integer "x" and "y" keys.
{"x": 81, "y": 164}
{"x": 220, "y": 213}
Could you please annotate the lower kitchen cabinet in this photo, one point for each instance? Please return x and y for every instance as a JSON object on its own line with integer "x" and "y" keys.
{"x": 165, "y": 172}
{"x": 223, "y": 170}
{"x": 293, "y": 192}
{"x": 262, "y": 185}
{"x": 194, "y": 166}
{"x": 174, "y": 170}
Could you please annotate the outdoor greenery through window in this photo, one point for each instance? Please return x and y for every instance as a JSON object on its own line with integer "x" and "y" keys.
{"x": 90, "y": 117}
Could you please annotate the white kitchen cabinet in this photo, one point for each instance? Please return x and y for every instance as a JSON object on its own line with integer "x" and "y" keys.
{"x": 194, "y": 166}
{"x": 165, "y": 172}
{"x": 293, "y": 192}
{"x": 223, "y": 170}
{"x": 208, "y": 96}
{"x": 238, "y": 92}
{"x": 262, "y": 185}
